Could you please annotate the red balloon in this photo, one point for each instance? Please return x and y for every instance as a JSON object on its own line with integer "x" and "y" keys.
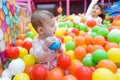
{"x": 84, "y": 73}
{"x": 91, "y": 23}
{"x": 12, "y": 52}
{"x": 27, "y": 45}
{"x": 64, "y": 61}
{"x": 39, "y": 72}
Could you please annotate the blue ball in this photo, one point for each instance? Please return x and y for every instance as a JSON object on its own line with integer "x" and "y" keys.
{"x": 55, "y": 45}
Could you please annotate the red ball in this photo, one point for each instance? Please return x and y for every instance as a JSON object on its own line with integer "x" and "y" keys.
{"x": 91, "y": 23}
{"x": 27, "y": 45}
{"x": 38, "y": 72}
{"x": 64, "y": 61}
{"x": 75, "y": 31}
{"x": 12, "y": 52}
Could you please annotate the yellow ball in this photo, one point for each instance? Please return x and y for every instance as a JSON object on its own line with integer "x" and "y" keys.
{"x": 29, "y": 59}
{"x": 60, "y": 32}
{"x": 70, "y": 53}
{"x": 23, "y": 52}
{"x": 32, "y": 29}
{"x": 114, "y": 54}
{"x": 21, "y": 76}
{"x": 67, "y": 38}
{"x": 117, "y": 75}
{"x": 103, "y": 74}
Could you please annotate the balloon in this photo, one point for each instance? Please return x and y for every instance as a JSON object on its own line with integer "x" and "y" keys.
{"x": 19, "y": 42}
{"x": 99, "y": 55}
{"x": 60, "y": 10}
{"x": 7, "y": 20}
{"x": 21, "y": 76}
{"x": 27, "y": 45}
{"x": 55, "y": 45}
{"x": 80, "y": 52}
{"x": 88, "y": 61}
{"x": 69, "y": 77}
{"x": 84, "y": 73}
{"x": 29, "y": 59}
{"x": 6, "y": 73}
{"x": 22, "y": 52}
{"x": 12, "y": 52}
{"x": 4, "y": 26}
{"x": 64, "y": 61}
{"x": 103, "y": 31}
{"x": 3, "y": 57}
{"x": 16, "y": 66}
{"x": 114, "y": 54}
{"x": 1, "y": 34}
{"x": 107, "y": 64}
{"x": 91, "y": 23}
{"x": 5, "y": 10}
{"x": 96, "y": 29}
{"x": 30, "y": 34}
{"x": 80, "y": 41}
{"x": 105, "y": 73}
{"x": 39, "y": 72}
{"x": 70, "y": 45}
{"x": 55, "y": 74}
{"x": 5, "y": 78}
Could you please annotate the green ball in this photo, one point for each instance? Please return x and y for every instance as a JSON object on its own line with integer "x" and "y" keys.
{"x": 95, "y": 29}
{"x": 83, "y": 28}
{"x": 103, "y": 26}
{"x": 70, "y": 24}
{"x": 62, "y": 24}
{"x": 76, "y": 25}
{"x": 30, "y": 34}
{"x": 88, "y": 61}
{"x": 70, "y": 45}
{"x": 93, "y": 34}
{"x": 99, "y": 54}
{"x": 103, "y": 31}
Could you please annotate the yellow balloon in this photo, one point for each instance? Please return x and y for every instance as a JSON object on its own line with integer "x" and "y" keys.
{"x": 21, "y": 76}
{"x": 23, "y": 52}
{"x": 32, "y": 29}
{"x": 103, "y": 74}
{"x": 70, "y": 53}
{"x": 114, "y": 54}
{"x": 13, "y": 1}
{"x": 117, "y": 75}
{"x": 67, "y": 38}
{"x": 60, "y": 32}
{"x": 29, "y": 60}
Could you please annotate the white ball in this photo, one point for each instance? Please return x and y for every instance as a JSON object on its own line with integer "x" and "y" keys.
{"x": 16, "y": 66}
{"x": 6, "y": 73}
{"x": 28, "y": 39}
{"x": 5, "y": 78}
{"x": 76, "y": 19}
{"x": 1, "y": 34}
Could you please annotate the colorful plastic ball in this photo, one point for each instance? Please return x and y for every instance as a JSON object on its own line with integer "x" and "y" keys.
{"x": 28, "y": 39}
{"x": 64, "y": 61}
{"x": 23, "y": 52}
{"x": 88, "y": 61}
{"x": 117, "y": 75}
{"x": 70, "y": 45}
{"x": 88, "y": 39}
{"x": 28, "y": 70}
{"x": 69, "y": 77}
{"x": 60, "y": 32}
{"x": 95, "y": 29}
{"x": 70, "y": 53}
{"x": 103, "y": 74}
{"x": 109, "y": 64}
{"x": 38, "y": 72}
{"x": 93, "y": 34}
{"x": 79, "y": 41}
{"x": 75, "y": 31}
{"x": 103, "y": 31}
{"x": 29, "y": 60}
{"x": 55, "y": 45}
{"x": 62, "y": 24}
{"x": 16, "y": 66}
{"x": 19, "y": 43}
{"x": 83, "y": 27}
{"x": 21, "y": 36}
{"x": 68, "y": 38}
{"x": 76, "y": 19}
{"x": 60, "y": 10}
{"x": 70, "y": 24}
{"x": 21, "y": 76}
{"x": 77, "y": 25}
{"x": 99, "y": 54}
{"x": 12, "y": 52}
{"x": 27, "y": 45}
{"x": 6, "y": 73}
{"x": 80, "y": 52}
{"x": 5, "y": 78}
{"x": 114, "y": 54}
{"x": 91, "y": 23}
{"x": 30, "y": 34}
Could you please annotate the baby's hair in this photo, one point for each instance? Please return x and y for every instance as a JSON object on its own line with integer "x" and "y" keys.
{"x": 102, "y": 9}
{"x": 38, "y": 17}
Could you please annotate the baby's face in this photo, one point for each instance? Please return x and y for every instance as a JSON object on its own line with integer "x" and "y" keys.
{"x": 96, "y": 10}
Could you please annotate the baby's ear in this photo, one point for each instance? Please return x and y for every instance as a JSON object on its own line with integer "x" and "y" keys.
{"x": 40, "y": 30}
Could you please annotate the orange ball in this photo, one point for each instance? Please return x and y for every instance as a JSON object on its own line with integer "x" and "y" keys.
{"x": 99, "y": 40}
{"x": 59, "y": 9}
{"x": 19, "y": 43}
{"x": 90, "y": 48}
{"x": 107, "y": 64}
{"x": 55, "y": 74}
{"x": 111, "y": 45}
{"x": 98, "y": 47}
{"x": 91, "y": 23}
{"x": 69, "y": 77}
{"x": 88, "y": 39}
{"x": 80, "y": 40}
{"x": 22, "y": 36}
{"x": 80, "y": 52}
{"x": 28, "y": 70}
{"x": 83, "y": 20}
{"x": 73, "y": 67}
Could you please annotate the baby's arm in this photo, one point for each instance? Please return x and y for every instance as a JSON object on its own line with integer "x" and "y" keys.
{"x": 93, "y": 2}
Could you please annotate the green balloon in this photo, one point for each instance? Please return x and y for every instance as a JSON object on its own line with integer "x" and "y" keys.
{"x": 95, "y": 29}
{"x": 62, "y": 24}
{"x": 103, "y": 31}
{"x": 70, "y": 45}
{"x": 99, "y": 54}
{"x": 30, "y": 34}
{"x": 70, "y": 24}
{"x": 88, "y": 61}
{"x": 83, "y": 28}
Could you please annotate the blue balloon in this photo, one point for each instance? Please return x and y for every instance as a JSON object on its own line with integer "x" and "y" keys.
{"x": 7, "y": 20}
{"x": 3, "y": 2}
{"x": 55, "y": 45}
{"x": 5, "y": 10}
{"x": 17, "y": 11}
